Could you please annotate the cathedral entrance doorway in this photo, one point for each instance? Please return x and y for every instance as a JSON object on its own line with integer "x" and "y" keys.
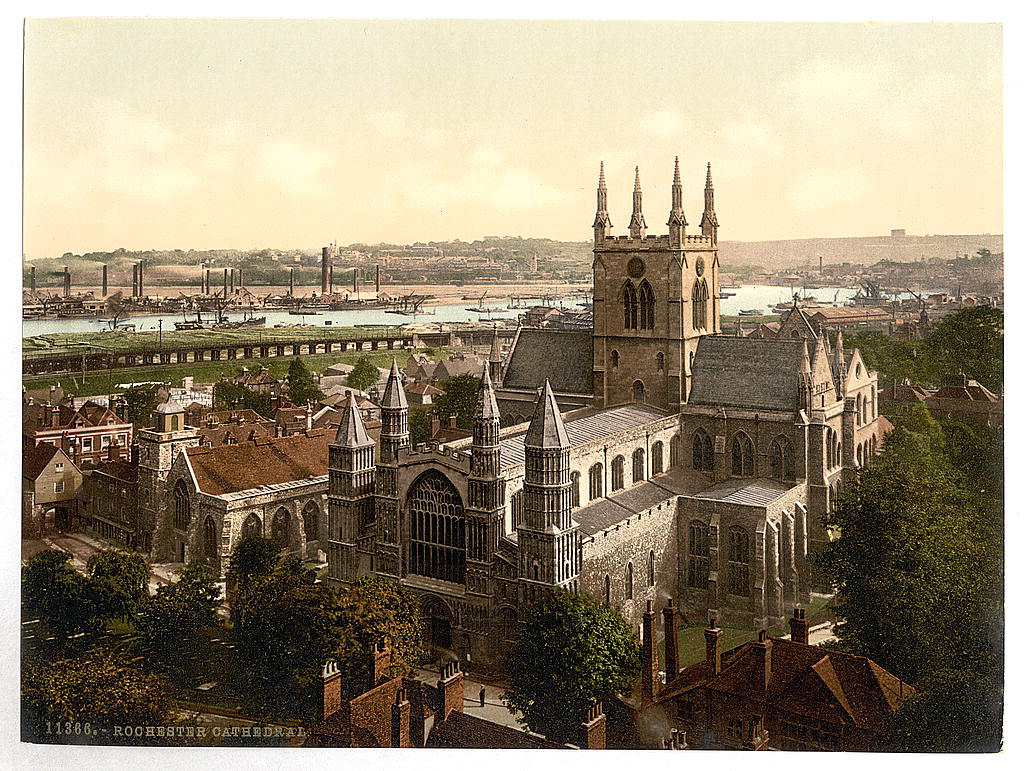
{"x": 438, "y": 621}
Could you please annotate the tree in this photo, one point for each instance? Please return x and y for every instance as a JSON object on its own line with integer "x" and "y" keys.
{"x": 254, "y": 557}
{"x": 100, "y": 688}
{"x": 232, "y": 396}
{"x": 179, "y": 611}
{"x": 917, "y": 565}
{"x": 301, "y": 387}
{"x": 376, "y": 610}
{"x": 139, "y": 403}
{"x": 118, "y": 582}
{"x": 459, "y": 399}
{"x": 286, "y": 628}
{"x": 419, "y": 425}
{"x": 971, "y": 341}
{"x": 61, "y": 596}
{"x": 571, "y": 653}
{"x": 363, "y": 375}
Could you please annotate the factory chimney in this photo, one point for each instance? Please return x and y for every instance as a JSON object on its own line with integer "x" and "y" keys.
{"x": 67, "y": 282}
{"x": 324, "y": 262}
{"x": 291, "y": 282}
{"x": 378, "y": 280}
{"x": 104, "y": 280}
{"x": 32, "y": 277}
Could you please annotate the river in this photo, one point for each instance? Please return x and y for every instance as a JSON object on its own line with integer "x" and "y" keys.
{"x": 746, "y": 298}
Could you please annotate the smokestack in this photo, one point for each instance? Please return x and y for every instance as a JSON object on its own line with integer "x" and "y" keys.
{"x": 240, "y": 284}
{"x": 821, "y": 264}
{"x": 291, "y": 282}
{"x": 225, "y": 283}
{"x": 32, "y": 277}
{"x": 67, "y": 281}
{"x": 141, "y": 288}
{"x": 231, "y": 276}
{"x": 355, "y": 281}
{"x": 324, "y": 262}
{"x": 135, "y": 280}
{"x": 104, "y": 280}
{"x": 330, "y": 279}
{"x": 378, "y": 279}
{"x": 206, "y": 284}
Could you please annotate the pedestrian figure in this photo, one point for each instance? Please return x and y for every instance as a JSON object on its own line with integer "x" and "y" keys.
{"x": 483, "y": 692}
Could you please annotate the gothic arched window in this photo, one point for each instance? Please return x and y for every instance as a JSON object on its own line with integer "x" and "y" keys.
{"x": 661, "y": 361}
{"x": 742, "y": 456}
{"x": 251, "y": 527}
{"x": 739, "y": 561}
{"x": 673, "y": 451}
{"x": 437, "y": 529}
{"x": 209, "y": 538}
{"x": 630, "y": 306}
{"x": 615, "y": 359}
{"x": 311, "y": 521}
{"x": 182, "y": 506}
{"x": 638, "y": 465}
{"x": 703, "y": 458}
{"x": 629, "y": 581}
{"x": 697, "y": 557}
{"x": 780, "y": 459}
{"x": 618, "y": 473}
{"x": 517, "y": 509}
{"x": 574, "y": 489}
{"x": 699, "y": 299}
{"x": 646, "y": 305}
{"x": 657, "y": 458}
{"x": 639, "y": 392}
{"x": 596, "y": 481}
{"x": 280, "y": 528}
{"x": 860, "y": 410}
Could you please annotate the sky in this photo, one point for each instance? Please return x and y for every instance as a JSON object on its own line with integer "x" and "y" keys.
{"x": 175, "y": 134}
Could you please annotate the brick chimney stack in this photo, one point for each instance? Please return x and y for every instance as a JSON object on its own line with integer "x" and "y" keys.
{"x": 799, "y": 627}
{"x": 380, "y": 664}
{"x": 757, "y": 736}
{"x": 671, "y": 617}
{"x": 451, "y": 690}
{"x": 762, "y": 650}
{"x": 592, "y": 730}
{"x": 713, "y": 648}
{"x": 331, "y": 677}
{"x": 400, "y": 711}
{"x": 650, "y": 675}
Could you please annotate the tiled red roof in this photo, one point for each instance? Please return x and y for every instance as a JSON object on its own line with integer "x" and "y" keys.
{"x": 35, "y": 458}
{"x": 805, "y": 679}
{"x": 119, "y": 469}
{"x": 37, "y": 417}
{"x": 248, "y": 465}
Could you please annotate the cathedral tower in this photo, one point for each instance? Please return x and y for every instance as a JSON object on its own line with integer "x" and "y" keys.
{"x": 654, "y": 298}
{"x": 349, "y": 494}
{"x": 486, "y": 499}
{"x": 549, "y": 541}
{"x": 394, "y": 437}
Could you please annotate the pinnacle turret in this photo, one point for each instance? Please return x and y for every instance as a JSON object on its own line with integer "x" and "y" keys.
{"x": 637, "y": 226}
{"x": 602, "y": 220}
{"x": 394, "y": 392}
{"x": 351, "y": 431}
{"x": 709, "y": 220}
{"x": 676, "y": 217}
{"x": 486, "y": 407}
{"x": 546, "y": 431}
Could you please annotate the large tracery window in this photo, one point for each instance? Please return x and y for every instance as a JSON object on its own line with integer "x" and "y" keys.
{"x": 703, "y": 458}
{"x": 630, "y": 306}
{"x": 182, "y": 506}
{"x": 739, "y": 561}
{"x": 646, "y": 305}
{"x": 697, "y": 561}
{"x": 437, "y": 524}
{"x": 742, "y": 456}
{"x": 699, "y": 300}
{"x": 780, "y": 459}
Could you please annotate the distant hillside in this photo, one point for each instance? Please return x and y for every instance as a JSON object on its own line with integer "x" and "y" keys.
{"x": 804, "y": 252}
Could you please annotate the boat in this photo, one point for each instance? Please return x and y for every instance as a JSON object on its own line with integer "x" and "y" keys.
{"x": 752, "y": 312}
{"x": 183, "y": 326}
{"x": 304, "y": 313}
{"x": 726, "y": 295}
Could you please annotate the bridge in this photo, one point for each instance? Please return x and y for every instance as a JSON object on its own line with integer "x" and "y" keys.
{"x": 93, "y": 359}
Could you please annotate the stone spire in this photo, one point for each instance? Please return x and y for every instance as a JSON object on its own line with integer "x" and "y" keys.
{"x": 394, "y": 393}
{"x": 602, "y": 221}
{"x": 494, "y": 357}
{"x": 709, "y": 220}
{"x": 637, "y": 226}
{"x": 486, "y": 404}
{"x": 351, "y": 431}
{"x": 676, "y": 216}
{"x": 546, "y": 431}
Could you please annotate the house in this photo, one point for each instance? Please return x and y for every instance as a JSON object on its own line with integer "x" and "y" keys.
{"x": 50, "y": 481}
{"x": 421, "y": 394}
{"x": 109, "y": 501}
{"x": 420, "y": 368}
{"x": 85, "y": 434}
{"x": 968, "y": 401}
{"x": 459, "y": 364}
{"x": 770, "y": 692}
{"x": 260, "y": 382}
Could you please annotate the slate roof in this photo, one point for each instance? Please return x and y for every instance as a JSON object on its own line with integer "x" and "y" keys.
{"x": 586, "y": 428}
{"x": 805, "y": 679}
{"x": 250, "y": 465}
{"x": 35, "y": 458}
{"x": 605, "y": 512}
{"x": 743, "y": 492}
{"x": 566, "y": 358}
{"x": 119, "y": 469}
{"x": 747, "y": 373}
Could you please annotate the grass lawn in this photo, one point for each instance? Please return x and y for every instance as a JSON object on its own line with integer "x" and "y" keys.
{"x": 104, "y": 382}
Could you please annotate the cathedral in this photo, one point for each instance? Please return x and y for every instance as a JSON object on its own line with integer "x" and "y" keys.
{"x": 652, "y": 458}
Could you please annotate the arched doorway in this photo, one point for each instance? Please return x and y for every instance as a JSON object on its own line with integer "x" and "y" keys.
{"x": 438, "y": 619}
{"x": 280, "y": 528}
